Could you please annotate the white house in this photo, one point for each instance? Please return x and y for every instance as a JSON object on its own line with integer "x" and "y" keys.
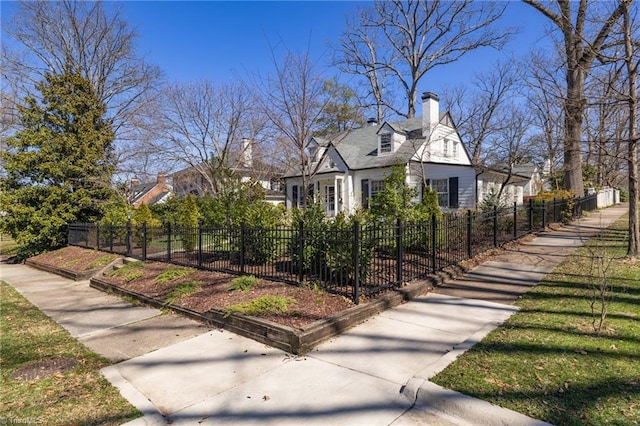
{"x": 490, "y": 181}
{"x": 348, "y": 169}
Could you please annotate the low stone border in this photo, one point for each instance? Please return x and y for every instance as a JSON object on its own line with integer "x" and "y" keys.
{"x": 295, "y": 341}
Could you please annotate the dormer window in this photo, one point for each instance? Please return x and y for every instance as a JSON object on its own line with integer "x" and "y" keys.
{"x": 312, "y": 152}
{"x": 385, "y": 142}
{"x": 445, "y": 149}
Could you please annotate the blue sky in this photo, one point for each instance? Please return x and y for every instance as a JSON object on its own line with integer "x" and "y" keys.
{"x": 221, "y": 40}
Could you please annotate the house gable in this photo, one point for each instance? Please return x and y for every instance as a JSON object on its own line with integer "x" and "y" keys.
{"x": 331, "y": 162}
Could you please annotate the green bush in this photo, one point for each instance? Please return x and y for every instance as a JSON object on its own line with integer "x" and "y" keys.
{"x": 188, "y": 223}
{"x": 260, "y": 246}
{"x": 314, "y": 224}
{"x": 338, "y": 256}
{"x": 263, "y": 305}
{"x": 243, "y": 283}
{"x": 172, "y": 274}
{"x": 140, "y": 217}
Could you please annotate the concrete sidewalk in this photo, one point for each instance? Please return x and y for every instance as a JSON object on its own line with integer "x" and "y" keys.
{"x": 177, "y": 371}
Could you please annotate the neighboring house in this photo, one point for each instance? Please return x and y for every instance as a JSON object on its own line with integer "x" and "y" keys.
{"x": 192, "y": 179}
{"x": 532, "y": 173}
{"x": 150, "y": 193}
{"x": 348, "y": 169}
{"x": 489, "y": 181}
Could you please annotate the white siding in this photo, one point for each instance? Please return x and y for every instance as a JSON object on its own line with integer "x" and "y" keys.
{"x": 466, "y": 181}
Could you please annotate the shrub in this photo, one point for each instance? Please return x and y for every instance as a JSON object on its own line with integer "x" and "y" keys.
{"x": 172, "y": 274}
{"x": 314, "y": 223}
{"x": 260, "y": 246}
{"x": 188, "y": 222}
{"x": 243, "y": 283}
{"x": 263, "y": 305}
{"x": 183, "y": 289}
{"x": 140, "y": 217}
{"x": 129, "y": 272}
{"x": 338, "y": 256}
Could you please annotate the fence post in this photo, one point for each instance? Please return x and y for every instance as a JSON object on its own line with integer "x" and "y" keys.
{"x": 515, "y": 220}
{"x": 200, "y": 244}
{"x": 129, "y": 240}
{"x": 495, "y": 226}
{"x": 555, "y": 208}
{"x": 97, "y": 236}
{"x": 144, "y": 241}
{"x": 111, "y": 232}
{"x": 169, "y": 242}
{"x": 242, "y": 236}
{"x": 399, "y": 250}
{"x": 300, "y": 251}
{"x": 434, "y": 228}
{"x": 530, "y": 214}
{"x": 469, "y": 222}
{"x": 544, "y": 215}
{"x": 356, "y": 262}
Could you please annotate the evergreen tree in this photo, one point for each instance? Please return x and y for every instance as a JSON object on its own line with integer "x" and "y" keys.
{"x": 395, "y": 200}
{"x": 58, "y": 167}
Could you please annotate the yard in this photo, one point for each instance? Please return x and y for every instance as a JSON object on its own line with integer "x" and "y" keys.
{"x": 548, "y": 361}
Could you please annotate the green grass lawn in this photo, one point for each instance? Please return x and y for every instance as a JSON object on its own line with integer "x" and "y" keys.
{"x": 79, "y": 396}
{"x": 7, "y": 245}
{"x": 548, "y": 362}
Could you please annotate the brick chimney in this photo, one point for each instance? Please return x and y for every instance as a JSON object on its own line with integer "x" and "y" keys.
{"x": 134, "y": 182}
{"x": 162, "y": 179}
{"x": 430, "y": 112}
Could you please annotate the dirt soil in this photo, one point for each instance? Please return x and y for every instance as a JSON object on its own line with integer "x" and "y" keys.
{"x": 311, "y": 304}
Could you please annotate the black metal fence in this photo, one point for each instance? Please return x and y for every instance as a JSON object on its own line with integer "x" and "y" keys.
{"x": 359, "y": 260}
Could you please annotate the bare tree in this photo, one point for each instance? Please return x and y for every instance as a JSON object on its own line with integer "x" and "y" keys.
{"x": 511, "y": 143}
{"x": 291, "y": 99}
{"x": 544, "y": 102}
{"x": 405, "y": 39}
{"x": 583, "y": 40}
{"x": 87, "y": 36}
{"x": 479, "y": 113}
{"x": 605, "y": 126}
{"x": 202, "y": 126}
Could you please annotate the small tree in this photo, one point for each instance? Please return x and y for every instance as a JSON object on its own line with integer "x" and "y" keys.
{"x": 395, "y": 200}
{"x": 188, "y": 217}
{"x": 141, "y": 217}
{"x": 58, "y": 167}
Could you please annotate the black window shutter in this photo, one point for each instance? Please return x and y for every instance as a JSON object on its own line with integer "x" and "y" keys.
{"x": 294, "y": 196}
{"x": 364, "y": 185}
{"x": 453, "y": 192}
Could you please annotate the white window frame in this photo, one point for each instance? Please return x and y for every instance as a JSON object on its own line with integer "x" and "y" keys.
{"x": 386, "y": 145}
{"x": 375, "y": 187}
{"x": 330, "y": 198}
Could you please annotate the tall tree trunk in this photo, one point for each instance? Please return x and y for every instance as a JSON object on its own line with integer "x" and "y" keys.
{"x": 633, "y": 249}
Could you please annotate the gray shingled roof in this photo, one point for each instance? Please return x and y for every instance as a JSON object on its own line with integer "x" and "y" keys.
{"x": 359, "y": 147}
